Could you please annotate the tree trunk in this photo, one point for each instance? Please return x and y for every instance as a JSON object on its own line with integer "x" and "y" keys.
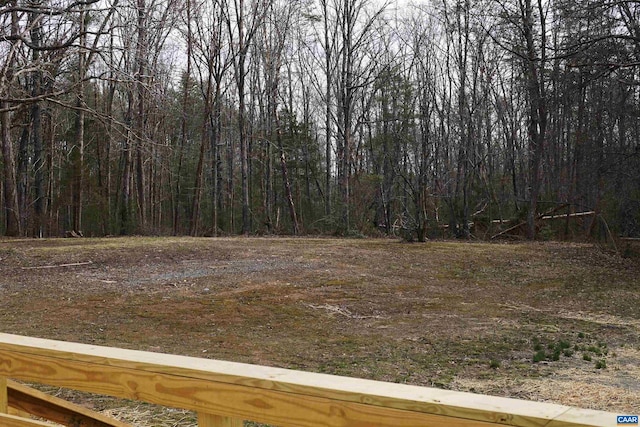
{"x": 327, "y": 118}
{"x": 78, "y": 160}
{"x": 141, "y": 60}
{"x": 216, "y": 160}
{"x": 10, "y": 185}
{"x": 125, "y": 192}
{"x": 78, "y": 155}
{"x": 197, "y": 190}
{"x": 36, "y": 131}
{"x": 287, "y": 191}
{"x": 537, "y": 114}
{"x": 106, "y": 215}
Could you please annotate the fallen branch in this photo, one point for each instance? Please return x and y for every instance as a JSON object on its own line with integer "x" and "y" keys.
{"x": 541, "y": 216}
{"x": 342, "y": 311}
{"x": 509, "y": 229}
{"x": 573, "y": 215}
{"x": 74, "y": 264}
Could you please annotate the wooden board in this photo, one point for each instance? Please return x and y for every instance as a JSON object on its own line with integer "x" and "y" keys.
{"x": 228, "y": 400}
{"x": 28, "y": 400}
{"x": 209, "y": 420}
{"x": 271, "y": 395}
{"x": 7, "y": 420}
{"x": 4, "y": 396}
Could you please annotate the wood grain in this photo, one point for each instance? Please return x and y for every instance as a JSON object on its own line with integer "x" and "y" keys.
{"x": 4, "y": 396}
{"x": 271, "y": 395}
{"x": 31, "y": 401}
{"x": 7, "y": 420}
{"x": 210, "y": 420}
{"x": 231, "y": 400}
{"x": 18, "y": 413}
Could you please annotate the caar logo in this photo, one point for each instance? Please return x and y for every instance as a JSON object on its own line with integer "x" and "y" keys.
{"x": 625, "y": 420}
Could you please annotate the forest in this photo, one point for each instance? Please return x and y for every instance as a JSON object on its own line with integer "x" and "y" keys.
{"x": 430, "y": 118}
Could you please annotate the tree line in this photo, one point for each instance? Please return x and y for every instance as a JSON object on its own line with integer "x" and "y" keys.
{"x": 209, "y": 117}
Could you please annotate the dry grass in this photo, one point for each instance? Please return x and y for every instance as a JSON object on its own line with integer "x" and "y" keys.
{"x": 454, "y": 315}
{"x": 147, "y": 416}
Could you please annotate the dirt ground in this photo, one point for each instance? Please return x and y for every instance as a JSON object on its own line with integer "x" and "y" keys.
{"x": 549, "y": 322}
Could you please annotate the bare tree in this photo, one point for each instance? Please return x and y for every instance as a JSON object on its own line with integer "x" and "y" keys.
{"x": 11, "y": 207}
{"x": 242, "y": 27}
{"x": 356, "y": 71}
{"x": 527, "y": 41}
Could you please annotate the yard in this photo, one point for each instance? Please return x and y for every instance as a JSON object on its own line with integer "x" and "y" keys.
{"x": 553, "y": 322}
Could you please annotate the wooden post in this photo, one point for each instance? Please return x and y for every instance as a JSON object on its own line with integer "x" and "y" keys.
{"x": 4, "y": 396}
{"x": 210, "y": 420}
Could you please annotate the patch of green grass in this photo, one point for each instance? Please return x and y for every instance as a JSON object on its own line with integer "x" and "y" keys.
{"x": 595, "y": 350}
{"x": 555, "y": 350}
{"x": 539, "y": 356}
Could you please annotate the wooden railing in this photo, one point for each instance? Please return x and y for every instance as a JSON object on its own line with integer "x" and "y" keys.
{"x": 226, "y": 393}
